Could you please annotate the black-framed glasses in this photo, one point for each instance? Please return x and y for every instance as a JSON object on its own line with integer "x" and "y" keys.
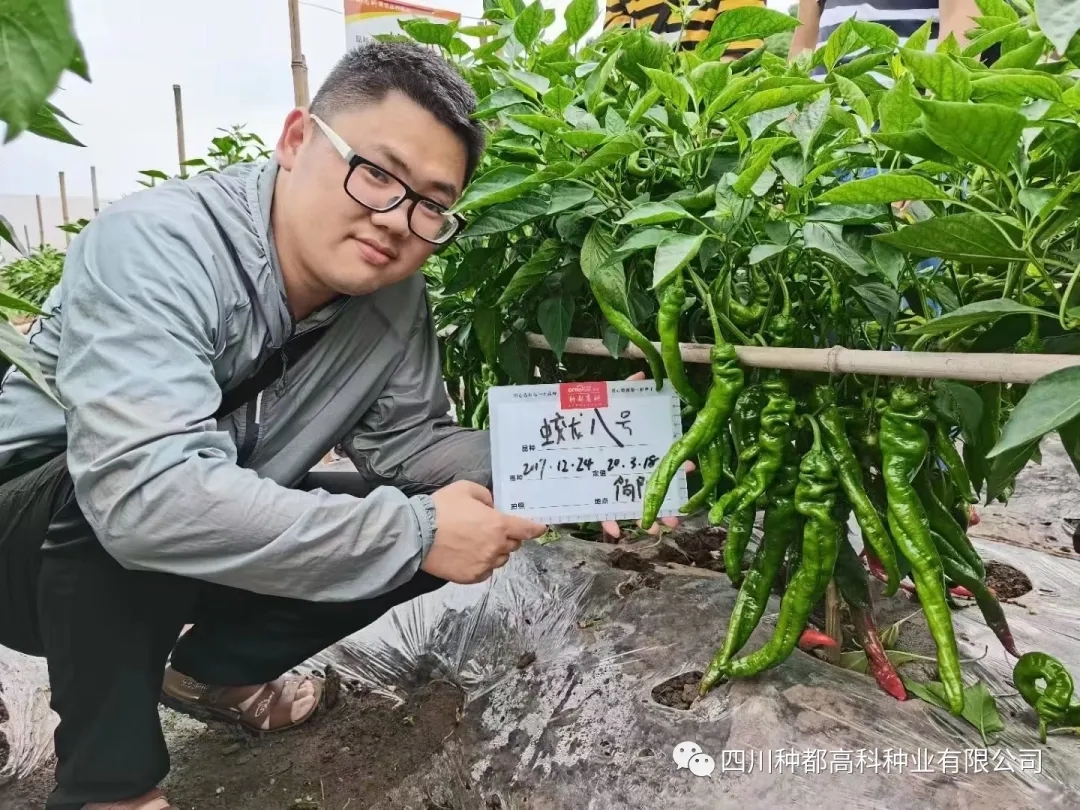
{"x": 373, "y": 187}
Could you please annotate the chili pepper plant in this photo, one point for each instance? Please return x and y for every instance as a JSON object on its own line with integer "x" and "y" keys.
{"x": 872, "y": 195}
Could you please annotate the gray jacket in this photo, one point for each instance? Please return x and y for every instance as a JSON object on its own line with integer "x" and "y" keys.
{"x": 173, "y": 295}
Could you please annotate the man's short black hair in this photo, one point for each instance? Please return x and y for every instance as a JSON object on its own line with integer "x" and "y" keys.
{"x": 372, "y": 70}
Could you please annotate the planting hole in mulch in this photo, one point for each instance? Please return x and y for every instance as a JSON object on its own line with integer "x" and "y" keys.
{"x": 1006, "y": 582}
{"x": 703, "y": 548}
{"x": 679, "y": 692}
{"x": 628, "y": 561}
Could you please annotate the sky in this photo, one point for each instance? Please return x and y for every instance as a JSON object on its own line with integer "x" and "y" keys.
{"x": 231, "y": 59}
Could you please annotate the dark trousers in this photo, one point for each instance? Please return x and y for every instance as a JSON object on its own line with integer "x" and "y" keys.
{"x": 107, "y": 634}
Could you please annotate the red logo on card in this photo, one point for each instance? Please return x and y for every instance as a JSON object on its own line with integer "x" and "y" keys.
{"x": 583, "y": 395}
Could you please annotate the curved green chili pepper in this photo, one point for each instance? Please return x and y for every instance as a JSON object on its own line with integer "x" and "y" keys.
{"x": 639, "y": 166}
{"x": 744, "y": 428}
{"x": 711, "y": 461}
{"x": 782, "y": 525}
{"x": 942, "y": 522}
{"x": 947, "y": 452}
{"x": 836, "y": 443}
{"x": 815, "y": 500}
{"x": 960, "y": 573}
{"x": 672, "y": 298}
{"x": 1053, "y": 702}
{"x": 904, "y": 444}
{"x": 727, "y": 381}
{"x": 626, "y": 329}
{"x": 744, "y": 315}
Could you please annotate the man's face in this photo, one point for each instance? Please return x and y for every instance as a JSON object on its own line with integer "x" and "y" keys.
{"x": 341, "y": 245}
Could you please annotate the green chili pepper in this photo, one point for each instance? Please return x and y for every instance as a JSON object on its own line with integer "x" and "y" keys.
{"x": 988, "y": 433}
{"x": 744, "y": 426}
{"x": 776, "y": 419}
{"x": 847, "y": 466}
{"x": 947, "y": 452}
{"x": 960, "y": 573}
{"x": 727, "y": 381}
{"x": 744, "y": 315}
{"x": 639, "y": 166}
{"x": 941, "y": 521}
{"x": 815, "y": 500}
{"x": 782, "y": 525}
{"x": 672, "y": 299}
{"x": 904, "y": 444}
{"x": 711, "y": 462}
{"x": 1053, "y": 702}
{"x": 622, "y": 324}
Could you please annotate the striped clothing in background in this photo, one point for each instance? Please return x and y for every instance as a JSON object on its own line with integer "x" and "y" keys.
{"x": 905, "y": 17}
{"x": 667, "y": 23}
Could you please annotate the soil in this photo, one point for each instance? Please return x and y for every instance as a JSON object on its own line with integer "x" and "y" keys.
{"x": 703, "y": 548}
{"x": 679, "y": 692}
{"x": 351, "y": 755}
{"x": 1005, "y": 581}
{"x": 628, "y": 561}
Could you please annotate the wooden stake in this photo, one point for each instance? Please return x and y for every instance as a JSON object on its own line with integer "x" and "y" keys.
{"x": 299, "y": 66}
{"x": 40, "y": 221}
{"x": 181, "y": 152}
{"x": 1004, "y": 368}
{"x": 64, "y": 207}
{"x": 93, "y": 189}
{"x": 26, "y": 233}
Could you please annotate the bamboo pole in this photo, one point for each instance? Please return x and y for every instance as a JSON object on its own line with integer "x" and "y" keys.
{"x": 64, "y": 207}
{"x": 178, "y": 103}
{"x": 93, "y": 189}
{"x": 40, "y": 221}
{"x": 26, "y": 233}
{"x": 299, "y": 66}
{"x": 1004, "y": 368}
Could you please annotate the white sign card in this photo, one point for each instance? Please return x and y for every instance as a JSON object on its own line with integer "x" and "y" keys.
{"x": 582, "y": 452}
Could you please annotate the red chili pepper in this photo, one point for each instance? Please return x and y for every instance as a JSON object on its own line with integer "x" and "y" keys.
{"x": 973, "y": 517}
{"x": 961, "y": 592}
{"x": 811, "y": 638}
{"x": 880, "y": 665}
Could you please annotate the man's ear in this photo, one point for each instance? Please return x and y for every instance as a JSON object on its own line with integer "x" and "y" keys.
{"x": 292, "y": 138}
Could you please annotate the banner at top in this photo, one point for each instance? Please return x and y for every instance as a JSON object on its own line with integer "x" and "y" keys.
{"x": 366, "y": 18}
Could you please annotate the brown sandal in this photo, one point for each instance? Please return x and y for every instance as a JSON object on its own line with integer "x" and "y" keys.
{"x": 267, "y": 710}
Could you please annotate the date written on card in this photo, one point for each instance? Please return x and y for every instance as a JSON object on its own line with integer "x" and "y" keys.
{"x": 582, "y": 452}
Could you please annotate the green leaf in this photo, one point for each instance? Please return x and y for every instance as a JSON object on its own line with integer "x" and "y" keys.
{"x": 14, "y": 347}
{"x": 37, "y": 44}
{"x": 558, "y": 98}
{"x": 1059, "y": 20}
{"x": 555, "y": 315}
{"x": 580, "y": 16}
{"x": 582, "y": 139}
{"x": 582, "y": 120}
{"x": 7, "y": 234}
{"x": 11, "y": 302}
{"x": 530, "y": 83}
{"x": 673, "y": 254}
{"x": 598, "y": 80}
{"x": 983, "y": 133}
{"x": 709, "y": 79}
{"x": 611, "y": 152}
{"x": 539, "y": 265}
{"x": 970, "y": 237}
{"x": 923, "y": 691}
{"x": 979, "y": 312}
{"x": 499, "y": 185}
{"x": 669, "y": 86}
{"x": 1050, "y": 402}
{"x": 915, "y": 143}
{"x": 807, "y": 124}
{"x": 500, "y": 100}
{"x": 980, "y": 709}
{"x": 760, "y": 160}
{"x": 886, "y": 188}
{"x": 855, "y": 98}
{"x": 889, "y": 261}
{"x": 613, "y": 341}
{"x": 850, "y": 214}
{"x": 961, "y": 404}
{"x": 759, "y": 253}
{"x": 921, "y": 38}
{"x": 483, "y": 30}
{"x": 990, "y": 38}
{"x": 1069, "y": 434}
{"x": 1033, "y": 86}
{"x": 746, "y": 23}
{"x": 487, "y": 326}
{"x": 46, "y": 124}
{"x": 543, "y": 123}
{"x": 882, "y": 301}
{"x": 828, "y": 238}
{"x": 78, "y": 64}
{"x": 642, "y": 240}
{"x": 653, "y": 213}
{"x": 1026, "y": 56}
{"x": 606, "y": 278}
{"x": 772, "y": 99}
{"x": 841, "y": 42}
{"x": 936, "y": 71}
{"x": 509, "y": 215}
{"x": 897, "y": 108}
{"x": 567, "y": 195}
{"x": 514, "y": 358}
{"x": 429, "y": 33}
{"x": 529, "y": 25}
{"x": 1003, "y": 468}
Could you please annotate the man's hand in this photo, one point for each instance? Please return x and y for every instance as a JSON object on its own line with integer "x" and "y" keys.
{"x": 471, "y": 538}
{"x": 611, "y": 527}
